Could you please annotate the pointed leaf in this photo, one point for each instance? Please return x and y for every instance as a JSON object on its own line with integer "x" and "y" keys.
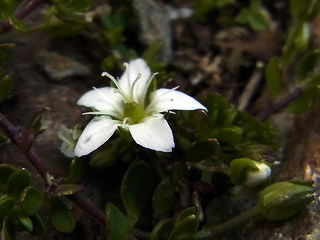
{"x": 304, "y": 101}
{"x": 273, "y": 76}
{"x": 18, "y": 25}
{"x": 40, "y": 122}
{"x": 136, "y": 189}
{"x": 186, "y": 225}
{"x": 25, "y": 221}
{"x": 162, "y": 229}
{"x": 118, "y": 226}
{"x": 61, "y": 216}
{"x": 308, "y": 63}
{"x": 32, "y": 199}
{"x": 18, "y": 181}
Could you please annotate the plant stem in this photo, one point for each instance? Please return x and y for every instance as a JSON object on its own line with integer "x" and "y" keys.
{"x": 35, "y": 160}
{"x": 275, "y": 107}
{"x": 213, "y": 229}
{"x": 25, "y": 11}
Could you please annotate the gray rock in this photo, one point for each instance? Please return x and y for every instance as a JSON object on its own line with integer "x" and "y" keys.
{"x": 59, "y": 67}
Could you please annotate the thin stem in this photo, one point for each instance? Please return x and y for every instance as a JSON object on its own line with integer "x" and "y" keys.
{"x": 213, "y": 229}
{"x": 25, "y": 11}
{"x": 35, "y": 160}
{"x": 87, "y": 207}
{"x": 275, "y": 107}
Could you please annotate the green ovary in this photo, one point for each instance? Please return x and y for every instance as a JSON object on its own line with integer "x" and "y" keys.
{"x": 133, "y": 112}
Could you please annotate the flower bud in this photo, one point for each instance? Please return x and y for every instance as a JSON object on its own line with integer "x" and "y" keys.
{"x": 249, "y": 173}
{"x": 284, "y": 199}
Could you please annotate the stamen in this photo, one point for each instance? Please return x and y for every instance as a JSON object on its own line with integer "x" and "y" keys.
{"x": 119, "y": 90}
{"x": 110, "y": 114}
{"x": 143, "y": 94}
{"x": 133, "y": 84}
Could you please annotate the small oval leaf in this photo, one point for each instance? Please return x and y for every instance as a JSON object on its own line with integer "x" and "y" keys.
{"x": 161, "y": 229}
{"x": 18, "y": 181}
{"x": 32, "y": 199}
{"x": 6, "y": 204}
{"x": 118, "y": 226}
{"x": 164, "y": 197}
{"x": 25, "y": 221}
{"x": 202, "y": 149}
{"x": 61, "y": 216}
{"x": 5, "y": 172}
{"x": 273, "y": 76}
{"x": 136, "y": 189}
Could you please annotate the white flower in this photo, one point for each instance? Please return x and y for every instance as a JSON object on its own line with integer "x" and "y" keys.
{"x": 130, "y": 107}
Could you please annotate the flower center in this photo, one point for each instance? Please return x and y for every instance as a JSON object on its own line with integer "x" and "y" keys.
{"x": 133, "y": 112}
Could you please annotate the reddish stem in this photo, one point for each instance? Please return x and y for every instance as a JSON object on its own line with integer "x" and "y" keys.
{"x": 25, "y": 11}
{"x": 35, "y": 160}
{"x": 277, "y": 106}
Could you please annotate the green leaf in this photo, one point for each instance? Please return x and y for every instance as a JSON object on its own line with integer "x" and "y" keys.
{"x": 304, "y": 101}
{"x": 185, "y": 214}
{"x": 61, "y": 216}
{"x": 136, "y": 189}
{"x": 106, "y": 158}
{"x": 40, "y": 122}
{"x": 25, "y": 221}
{"x": 308, "y": 63}
{"x": 231, "y": 135}
{"x": 296, "y": 42}
{"x": 18, "y": 25}
{"x": 118, "y": 226}
{"x": 299, "y": 9}
{"x": 201, "y": 123}
{"x": 77, "y": 169}
{"x": 5, "y": 172}
{"x": 18, "y": 181}
{"x": 273, "y": 76}
{"x": 9, "y": 227}
{"x": 7, "y": 8}
{"x": 202, "y": 149}
{"x": 32, "y": 199}
{"x": 164, "y": 197}
{"x": 6, "y": 204}
{"x": 186, "y": 225}
{"x": 162, "y": 229}
{"x": 38, "y": 225}
{"x": 80, "y": 5}
{"x": 217, "y": 109}
{"x": 6, "y": 86}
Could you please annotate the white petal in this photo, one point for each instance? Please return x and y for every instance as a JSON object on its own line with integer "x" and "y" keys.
{"x": 153, "y": 133}
{"x": 96, "y": 133}
{"x": 135, "y": 67}
{"x": 102, "y": 99}
{"x": 164, "y": 99}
